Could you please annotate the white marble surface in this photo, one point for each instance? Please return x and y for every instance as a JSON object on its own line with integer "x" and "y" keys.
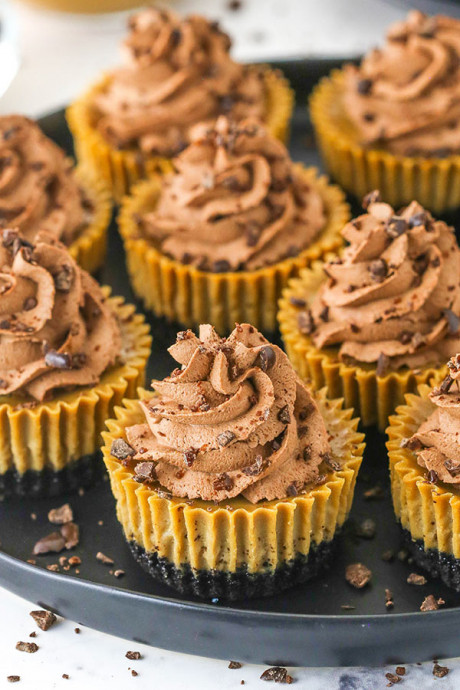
{"x": 94, "y": 660}
{"x": 60, "y": 55}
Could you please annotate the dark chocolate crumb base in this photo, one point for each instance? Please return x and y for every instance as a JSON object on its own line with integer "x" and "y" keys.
{"x": 436, "y": 563}
{"x": 210, "y": 584}
{"x": 47, "y": 483}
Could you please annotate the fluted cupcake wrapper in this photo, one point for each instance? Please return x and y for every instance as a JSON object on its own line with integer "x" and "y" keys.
{"x": 428, "y": 512}
{"x": 122, "y": 168}
{"x": 89, "y": 248}
{"x": 433, "y": 182}
{"x": 372, "y": 397}
{"x": 51, "y": 436}
{"x": 234, "y": 536}
{"x": 185, "y": 294}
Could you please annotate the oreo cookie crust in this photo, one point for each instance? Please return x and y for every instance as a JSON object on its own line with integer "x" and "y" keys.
{"x": 436, "y": 563}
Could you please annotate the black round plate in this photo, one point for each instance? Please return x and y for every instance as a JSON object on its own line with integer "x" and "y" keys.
{"x": 307, "y": 625}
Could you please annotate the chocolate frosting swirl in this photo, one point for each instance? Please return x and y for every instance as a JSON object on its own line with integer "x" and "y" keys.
{"x": 177, "y": 73}
{"x": 56, "y": 329}
{"x": 394, "y": 296}
{"x": 38, "y": 189}
{"x": 436, "y": 442}
{"x": 235, "y": 419}
{"x": 235, "y": 201}
{"x": 405, "y": 97}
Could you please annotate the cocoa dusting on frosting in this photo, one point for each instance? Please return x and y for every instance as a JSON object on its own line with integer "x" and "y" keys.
{"x": 393, "y": 298}
{"x": 177, "y": 73}
{"x": 405, "y": 96}
{"x": 234, "y": 420}
{"x": 38, "y": 188}
{"x": 54, "y": 333}
{"x": 436, "y": 442}
{"x": 235, "y": 201}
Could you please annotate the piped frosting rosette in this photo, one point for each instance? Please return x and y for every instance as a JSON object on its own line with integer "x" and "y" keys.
{"x": 436, "y": 441}
{"x": 68, "y": 354}
{"x": 392, "y": 122}
{"x": 235, "y": 201}
{"x": 235, "y": 419}
{"x": 405, "y": 96}
{"x": 56, "y": 330}
{"x": 40, "y": 191}
{"x": 177, "y": 74}
{"x": 382, "y": 315}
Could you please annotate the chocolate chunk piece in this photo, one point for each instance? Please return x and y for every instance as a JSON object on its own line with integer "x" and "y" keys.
{"x": 223, "y": 483}
{"x": 225, "y": 438}
{"x": 29, "y": 303}
{"x": 392, "y": 678}
{"x": 332, "y": 464}
{"x": 371, "y": 198}
{"x": 395, "y": 227}
{"x": 291, "y": 490}
{"x": 221, "y": 266}
{"x": 366, "y": 529}
{"x": 58, "y": 360}
{"x": 266, "y": 358}
{"x": 59, "y": 516}
{"x": 430, "y": 603}
{"x": 234, "y": 664}
{"x": 389, "y": 603}
{"x": 145, "y": 472}
{"x": 452, "y": 468}
{"x": 71, "y": 534}
{"x": 421, "y": 218}
{"x": 382, "y": 364}
{"x": 13, "y": 679}
{"x": 52, "y": 543}
{"x": 374, "y": 493}
{"x": 133, "y": 656}
{"x": 44, "y": 619}
{"x": 278, "y": 674}
{"x": 414, "y": 579}
{"x": 190, "y": 456}
{"x": 256, "y": 468}
{"x": 283, "y": 415}
{"x": 121, "y": 450}
{"x": 297, "y": 302}
{"x": 104, "y": 559}
{"x": 378, "y": 270}
{"x": 440, "y": 671}
{"x": 400, "y": 671}
{"x": 453, "y": 321}
{"x": 364, "y": 86}
{"x": 432, "y": 477}
{"x": 306, "y": 322}
{"x": 29, "y": 647}
{"x": 64, "y": 278}
{"x": 357, "y": 575}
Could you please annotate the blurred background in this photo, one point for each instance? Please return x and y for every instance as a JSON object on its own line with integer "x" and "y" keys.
{"x": 48, "y": 56}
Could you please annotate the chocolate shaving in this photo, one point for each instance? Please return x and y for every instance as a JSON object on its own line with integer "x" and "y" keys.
{"x": 44, "y": 619}
{"x": 71, "y": 534}
{"x": 371, "y": 198}
{"x": 52, "y": 543}
{"x": 357, "y": 575}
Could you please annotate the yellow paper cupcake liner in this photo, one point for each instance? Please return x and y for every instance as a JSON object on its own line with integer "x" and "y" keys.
{"x": 89, "y": 248}
{"x": 122, "y": 168}
{"x": 430, "y": 512}
{"x": 433, "y": 182}
{"x": 226, "y": 537}
{"x": 185, "y": 294}
{"x": 53, "y": 434}
{"x": 372, "y": 397}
